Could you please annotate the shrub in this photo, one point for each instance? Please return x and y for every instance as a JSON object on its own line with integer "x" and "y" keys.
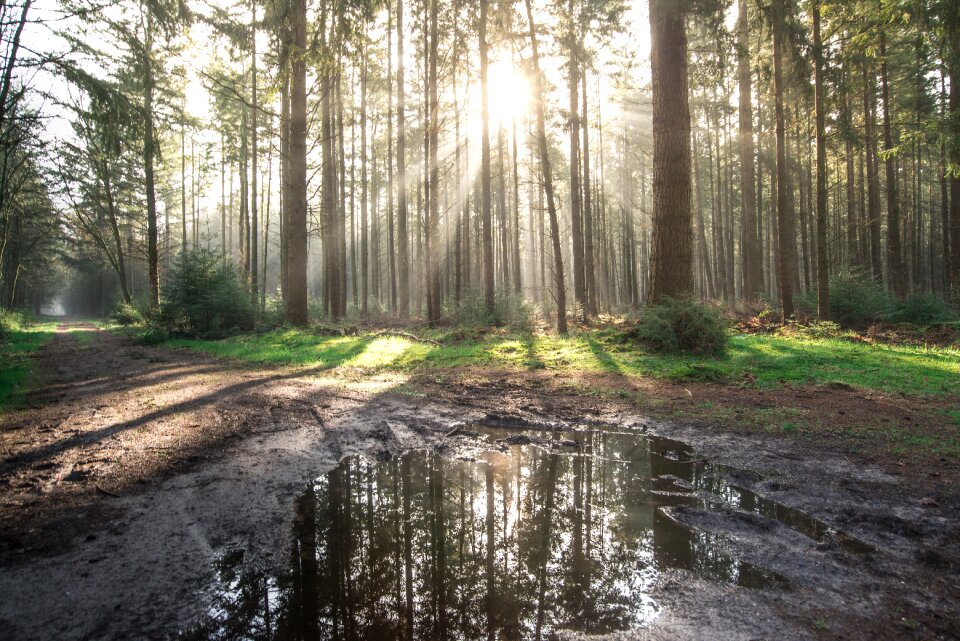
{"x": 11, "y": 321}
{"x": 204, "y": 297}
{"x": 681, "y": 326}
{"x": 126, "y": 314}
{"x": 856, "y": 300}
{"x": 922, "y": 309}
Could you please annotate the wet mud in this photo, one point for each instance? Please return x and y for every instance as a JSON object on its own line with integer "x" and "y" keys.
{"x": 397, "y": 516}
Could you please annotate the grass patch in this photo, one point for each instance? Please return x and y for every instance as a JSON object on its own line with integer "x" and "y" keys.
{"x": 751, "y": 360}
{"x": 84, "y": 337}
{"x": 16, "y": 346}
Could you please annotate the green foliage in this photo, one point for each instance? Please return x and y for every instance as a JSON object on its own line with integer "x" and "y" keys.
{"x": 11, "y": 321}
{"x": 682, "y": 326}
{"x": 922, "y": 309}
{"x": 126, "y": 314}
{"x": 510, "y": 310}
{"x": 857, "y": 301}
{"x": 204, "y": 297}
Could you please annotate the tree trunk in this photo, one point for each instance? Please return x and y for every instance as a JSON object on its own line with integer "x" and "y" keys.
{"x": 253, "y": 155}
{"x": 954, "y": 130}
{"x": 786, "y": 230}
{"x": 286, "y": 196}
{"x": 895, "y": 266}
{"x": 873, "y": 186}
{"x": 488, "y": 293}
{"x": 148, "y": 153}
{"x": 296, "y": 227}
{"x": 434, "y": 278}
{"x": 752, "y": 264}
{"x": 576, "y": 218}
{"x": 823, "y": 283}
{"x": 364, "y": 249}
{"x": 589, "y": 253}
{"x": 561, "y": 294}
{"x": 672, "y": 244}
{"x": 403, "y": 252}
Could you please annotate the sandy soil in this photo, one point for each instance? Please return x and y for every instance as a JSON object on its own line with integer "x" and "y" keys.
{"x": 134, "y": 467}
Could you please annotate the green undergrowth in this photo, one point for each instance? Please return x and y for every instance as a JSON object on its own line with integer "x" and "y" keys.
{"x": 760, "y": 361}
{"x": 18, "y": 341}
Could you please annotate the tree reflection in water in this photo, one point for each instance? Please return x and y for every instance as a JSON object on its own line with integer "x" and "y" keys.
{"x": 566, "y": 534}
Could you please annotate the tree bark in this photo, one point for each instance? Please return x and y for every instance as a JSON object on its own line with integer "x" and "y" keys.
{"x": 752, "y": 263}
{"x": 153, "y": 262}
{"x": 895, "y": 266}
{"x": 576, "y": 218}
{"x": 589, "y": 251}
{"x": 672, "y": 243}
{"x": 823, "y": 283}
{"x": 487, "y": 231}
{"x": 253, "y": 155}
{"x": 403, "y": 253}
{"x": 434, "y": 282}
{"x": 296, "y": 228}
{"x": 786, "y": 229}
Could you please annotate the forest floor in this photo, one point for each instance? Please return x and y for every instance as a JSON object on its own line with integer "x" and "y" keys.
{"x": 129, "y": 468}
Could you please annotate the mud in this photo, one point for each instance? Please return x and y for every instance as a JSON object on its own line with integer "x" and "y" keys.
{"x": 79, "y": 562}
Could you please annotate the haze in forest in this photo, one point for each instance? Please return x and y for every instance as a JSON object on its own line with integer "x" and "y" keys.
{"x": 398, "y": 158}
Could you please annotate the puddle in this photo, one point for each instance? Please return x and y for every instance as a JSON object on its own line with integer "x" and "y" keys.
{"x": 557, "y": 530}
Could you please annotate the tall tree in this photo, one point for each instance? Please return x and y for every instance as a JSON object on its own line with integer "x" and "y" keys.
{"x": 752, "y": 266}
{"x": 671, "y": 259}
{"x": 295, "y": 229}
{"x": 823, "y": 291}
{"x": 485, "y": 197}
{"x": 895, "y": 266}
{"x": 786, "y": 229}
{"x": 547, "y": 175}
{"x": 403, "y": 249}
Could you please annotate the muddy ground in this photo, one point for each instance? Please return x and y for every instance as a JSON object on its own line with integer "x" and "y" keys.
{"x": 134, "y": 467}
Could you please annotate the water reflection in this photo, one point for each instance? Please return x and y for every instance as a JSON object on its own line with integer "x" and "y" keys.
{"x": 563, "y": 533}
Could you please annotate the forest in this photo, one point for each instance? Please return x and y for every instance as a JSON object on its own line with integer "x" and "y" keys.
{"x": 462, "y": 319}
{"x": 433, "y": 154}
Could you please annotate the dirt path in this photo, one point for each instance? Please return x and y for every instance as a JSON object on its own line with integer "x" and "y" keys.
{"x": 135, "y": 467}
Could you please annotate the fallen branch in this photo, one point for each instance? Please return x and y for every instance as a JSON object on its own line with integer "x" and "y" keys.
{"x": 407, "y": 335}
{"x": 107, "y": 492}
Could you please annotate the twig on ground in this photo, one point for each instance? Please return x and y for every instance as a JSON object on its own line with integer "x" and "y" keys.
{"x": 107, "y": 492}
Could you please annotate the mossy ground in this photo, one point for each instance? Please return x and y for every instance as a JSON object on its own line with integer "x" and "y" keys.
{"x": 757, "y": 361}
{"x": 16, "y": 346}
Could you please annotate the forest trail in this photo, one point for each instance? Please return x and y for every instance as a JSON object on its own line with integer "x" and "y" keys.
{"x": 135, "y": 470}
{"x": 109, "y": 415}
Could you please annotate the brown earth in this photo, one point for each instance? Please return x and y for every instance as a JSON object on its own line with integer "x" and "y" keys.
{"x": 133, "y": 459}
